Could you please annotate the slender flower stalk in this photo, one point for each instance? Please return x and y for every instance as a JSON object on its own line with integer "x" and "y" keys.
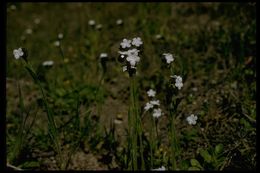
{"x": 131, "y": 58}
{"x": 153, "y": 105}
{"x": 172, "y": 106}
{"x": 50, "y": 115}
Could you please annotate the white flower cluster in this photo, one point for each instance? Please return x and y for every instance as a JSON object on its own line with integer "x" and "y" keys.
{"x": 18, "y": 53}
{"x": 153, "y": 104}
{"x": 192, "y": 119}
{"x": 168, "y": 57}
{"x": 178, "y": 81}
{"x": 151, "y": 93}
{"x": 131, "y": 56}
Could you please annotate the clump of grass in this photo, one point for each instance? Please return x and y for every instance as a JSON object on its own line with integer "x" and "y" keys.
{"x": 129, "y": 56}
{"x": 53, "y": 133}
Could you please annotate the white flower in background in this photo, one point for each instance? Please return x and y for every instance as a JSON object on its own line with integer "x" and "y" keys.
{"x": 125, "y": 43}
{"x": 18, "y": 53}
{"x": 13, "y": 7}
{"x": 48, "y": 63}
{"x": 148, "y": 106}
{"x": 151, "y": 93}
{"x": 169, "y": 58}
{"x": 160, "y": 169}
{"x": 57, "y": 43}
{"x": 28, "y": 31}
{"x": 178, "y": 81}
{"x": 157, "y": 113}
{"x": 60, "y": 36}
{"x": 158, "y": 36}
{"x": 103, "y": 55}
{"x": 37, "y": 21}
{"x": 195, "y": 89}
{"x": 124, "y": 68}
{"x": 137, "y": 41}
{"x": 99, "y": 26}
{"x": 155, "y": 102}
{"x": 91, "y": 22}
{"x": 192, "y": 119}
{"x": 119, "y": 22}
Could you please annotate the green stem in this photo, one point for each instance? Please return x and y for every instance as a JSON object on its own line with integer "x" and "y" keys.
{"x": 133, "y": 123}
{"x": 152, "y": 141}
{"x": 173, "y": 141}
{"x": 64, "y": 64}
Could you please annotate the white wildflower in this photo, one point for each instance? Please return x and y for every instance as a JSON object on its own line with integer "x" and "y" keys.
{"x": 119, "y": 22}
{"x": 192, "y": 119}
{"x": 57, "y": 43}
{"x": 28, "y": 31}
{"x": 158, "y": 36}
{"x": 13, "y": 7}
{"x": 157, "y": 112}
{"x": 148, "y": 106}
{"x": 18, "y": 53}
{"x": 155, "y": 102}
{"x": 151, "y": 93}
{"x": 60, "y": 36}
{"x": 169, "y": 58}
{"x": 91, "y": 22}
{"x": 159, "y": 169}
{"x": 99, "y": 26}
{"x": 195, "y": 89}
{"x": 179, "y": 85}
{"x": 125, "y": 43}
{"x": 124, "y": 68}
{"x": 133, "y": 60}
{"x": 132, "y": 56}
{"x": 131, "y": 52}
{"x": 37, "y": 21}
{"x": 48, "y": 63}
{"x": 103, "y": 55}
{"x": 137, "y": 41}
{"x": 178, "y": 81}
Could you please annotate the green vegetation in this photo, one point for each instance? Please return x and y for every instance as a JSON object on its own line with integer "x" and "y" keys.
{"x": 84, "y": 113}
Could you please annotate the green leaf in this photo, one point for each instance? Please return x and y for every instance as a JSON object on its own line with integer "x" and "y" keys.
{"x": 60, "y": 92}
{"x": 219, "y": 149}
{"x": 245, "y": 123}
{"x": 195, "y": 163}
{"x": 32, "y": 73}
{"x": 184, "y": 164}
{"x": 206, "y": 156}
